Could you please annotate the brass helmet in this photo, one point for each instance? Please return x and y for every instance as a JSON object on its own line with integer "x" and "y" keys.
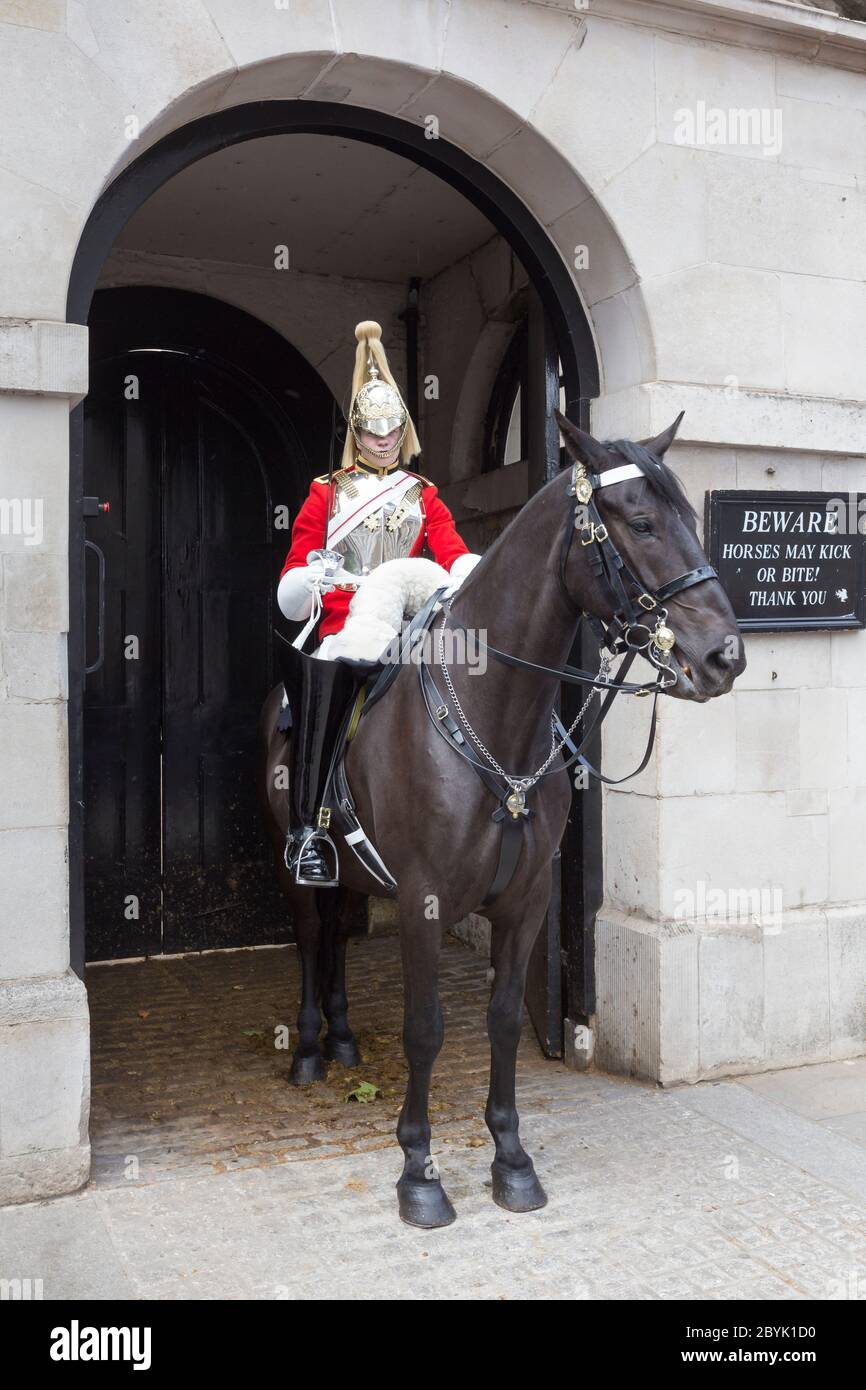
{"x": 377, "y": 405}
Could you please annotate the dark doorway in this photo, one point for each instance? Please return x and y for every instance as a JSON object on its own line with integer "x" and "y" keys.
{"x": 189, "y": 436}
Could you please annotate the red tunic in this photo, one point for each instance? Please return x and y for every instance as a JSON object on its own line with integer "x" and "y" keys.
{"x": 437, "y": 531}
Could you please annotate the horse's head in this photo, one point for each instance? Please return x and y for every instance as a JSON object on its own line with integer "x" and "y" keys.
{"x": 652, "y": 527}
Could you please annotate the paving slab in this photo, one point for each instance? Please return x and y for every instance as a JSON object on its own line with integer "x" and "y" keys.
{"x": 820, "y": 1092}
{"x": 63, "y": 1248}
{"x": 852, "y": 1126}
{"x": 814, "y": 1149}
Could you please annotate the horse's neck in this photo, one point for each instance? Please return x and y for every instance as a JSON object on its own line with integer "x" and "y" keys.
{"x": 514, "y": 601}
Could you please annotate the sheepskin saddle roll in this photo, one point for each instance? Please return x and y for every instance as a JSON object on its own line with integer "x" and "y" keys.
{"x": 395, "y": 590}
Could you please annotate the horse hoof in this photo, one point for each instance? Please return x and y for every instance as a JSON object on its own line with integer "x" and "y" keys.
{"x": 306, "y": 1069}
{"x": 424, "y": 1204}
{"x": 342, "y": 1050}
{"x": 517, "y": 1189}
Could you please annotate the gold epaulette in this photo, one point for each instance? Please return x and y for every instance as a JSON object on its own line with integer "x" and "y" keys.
{"x": 342, "y": 479}
{"x": 428, "y": 482}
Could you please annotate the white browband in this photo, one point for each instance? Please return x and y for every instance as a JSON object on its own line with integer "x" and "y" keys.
{"x": 619, "y": 475}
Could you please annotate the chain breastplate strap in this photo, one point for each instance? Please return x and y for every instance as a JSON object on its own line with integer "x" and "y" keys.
{"x": 639, "y": 624}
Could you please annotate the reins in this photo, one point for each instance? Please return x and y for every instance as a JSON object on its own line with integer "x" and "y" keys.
{"x": 626, "y": 633}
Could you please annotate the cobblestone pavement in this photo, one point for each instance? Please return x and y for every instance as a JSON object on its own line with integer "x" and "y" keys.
{"x": 249, "y": 1190}
{"x": 186, "y": 1077}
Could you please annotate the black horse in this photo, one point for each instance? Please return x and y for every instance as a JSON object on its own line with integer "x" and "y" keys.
{"x": 429, "y": 813}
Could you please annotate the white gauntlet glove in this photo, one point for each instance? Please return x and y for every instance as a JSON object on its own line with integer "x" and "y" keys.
{"x": 297, "y": 586}
{"x": 295, "y": 592}
{"x": 313, "y": 577}
{"x": 460, "y": 570}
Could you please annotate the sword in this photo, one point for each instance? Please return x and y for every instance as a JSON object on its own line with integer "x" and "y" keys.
{"x": 330, "y": 470}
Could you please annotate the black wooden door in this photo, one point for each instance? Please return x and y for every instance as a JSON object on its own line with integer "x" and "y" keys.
{"x": 175, "y": 858}
{"x": 218, "y": 611}
{"x": 192, "y": 468}
{"x": 122, "y": 710}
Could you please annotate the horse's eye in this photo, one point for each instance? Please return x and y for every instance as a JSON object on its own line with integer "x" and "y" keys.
{"x": 642, "y": 528}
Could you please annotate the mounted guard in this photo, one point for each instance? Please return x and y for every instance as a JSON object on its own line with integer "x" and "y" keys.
{"x": 462, "y": 778}
{"x": 373, "y": 509}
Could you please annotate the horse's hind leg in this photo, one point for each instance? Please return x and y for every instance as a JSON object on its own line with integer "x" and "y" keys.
{"x": 307, "y": 1062}
{"x": 422, "y": 1198}
{"x": 339, "y": 1044}
{"x": 515, "y": 1184}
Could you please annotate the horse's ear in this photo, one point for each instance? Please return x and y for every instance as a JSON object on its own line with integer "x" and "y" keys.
{"x": 662, "y": 442}
{"x": 581, "y": 445}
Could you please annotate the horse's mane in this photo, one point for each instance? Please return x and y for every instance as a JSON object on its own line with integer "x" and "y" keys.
{"x": 657, "y": 474}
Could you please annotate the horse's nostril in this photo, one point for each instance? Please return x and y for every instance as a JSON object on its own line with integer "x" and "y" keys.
{"x": 724, "y": 659}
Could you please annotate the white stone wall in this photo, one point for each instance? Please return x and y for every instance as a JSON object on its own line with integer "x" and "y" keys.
{"x": 723, "y": 280}
{"x": 44, "y": 1034}
{"x": 469, "y": 320}
{"x": 759, "y": 797}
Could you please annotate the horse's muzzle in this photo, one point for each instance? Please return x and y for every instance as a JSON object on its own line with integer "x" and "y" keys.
{"x": 704, "y": 678}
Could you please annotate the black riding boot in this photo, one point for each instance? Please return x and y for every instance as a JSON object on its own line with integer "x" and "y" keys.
{"x": 319, "y": 693}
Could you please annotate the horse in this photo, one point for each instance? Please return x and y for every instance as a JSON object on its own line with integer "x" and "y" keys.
{"x": 429, "y": 812}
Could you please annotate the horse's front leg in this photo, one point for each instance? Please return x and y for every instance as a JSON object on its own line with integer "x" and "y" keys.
{"x": 515, "y": 1184}
{"x": 307, "y": 1062}
{"x": 339, "y": 1044}
{"x": 422, "y": 1198}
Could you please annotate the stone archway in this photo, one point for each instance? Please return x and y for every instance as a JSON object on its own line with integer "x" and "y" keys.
{"x": 175, "y": 152}
{"x": 526, "y": 187}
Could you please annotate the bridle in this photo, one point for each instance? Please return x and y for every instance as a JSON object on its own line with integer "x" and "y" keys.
{"x": 629, "y": 629}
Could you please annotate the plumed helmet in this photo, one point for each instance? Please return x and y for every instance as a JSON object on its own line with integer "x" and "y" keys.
{"x": 377, "y": 405}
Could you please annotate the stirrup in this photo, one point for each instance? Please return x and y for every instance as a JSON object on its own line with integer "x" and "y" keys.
{"x": 296, "y": 855}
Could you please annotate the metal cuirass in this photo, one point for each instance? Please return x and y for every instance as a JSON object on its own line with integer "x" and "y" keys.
{"x": 377, "y": 539}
